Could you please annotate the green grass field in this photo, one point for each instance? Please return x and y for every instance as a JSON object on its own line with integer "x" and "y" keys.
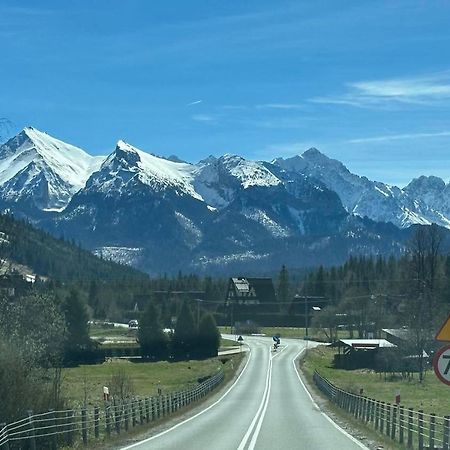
{"x": 432, "y": 396}
{"x": 85, "y": 383}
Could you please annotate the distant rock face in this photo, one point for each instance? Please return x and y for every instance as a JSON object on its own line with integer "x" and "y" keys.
{"x": 221, "y": 215}
{"x": 424, "y": 201}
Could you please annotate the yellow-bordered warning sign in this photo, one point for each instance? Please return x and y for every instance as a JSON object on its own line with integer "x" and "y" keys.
{"x": 443, "y": 335}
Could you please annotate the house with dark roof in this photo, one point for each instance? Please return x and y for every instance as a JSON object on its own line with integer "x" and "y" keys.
{"x": 251, "y": 299}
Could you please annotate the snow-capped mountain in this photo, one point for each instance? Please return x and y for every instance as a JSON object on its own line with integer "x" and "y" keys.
{"x": 423, "y": 201}
{"x": 41, "y": 171}
{"x": 223, "y": 214}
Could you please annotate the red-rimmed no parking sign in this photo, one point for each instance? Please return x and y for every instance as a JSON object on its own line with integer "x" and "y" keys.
{"x": 441, "y": 364}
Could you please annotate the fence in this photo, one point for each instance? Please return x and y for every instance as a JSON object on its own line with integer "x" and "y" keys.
{"x": 414, "y": 429}
{"x": 55, "y": 429}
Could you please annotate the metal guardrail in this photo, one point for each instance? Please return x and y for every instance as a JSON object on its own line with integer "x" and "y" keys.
{"x": 414, "y": 429}
{"x": 54, "y": 429}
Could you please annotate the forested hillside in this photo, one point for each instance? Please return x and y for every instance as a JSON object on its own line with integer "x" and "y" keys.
{"x": 56, "y": 259}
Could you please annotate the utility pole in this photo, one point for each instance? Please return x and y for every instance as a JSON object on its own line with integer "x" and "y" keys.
{"x": 306, "y": 299}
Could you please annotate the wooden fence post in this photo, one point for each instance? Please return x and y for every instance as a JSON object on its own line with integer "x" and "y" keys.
{"x": 84, "y": 426}
{"x": 133, "y": 412}
{"x": 153, "y": 405}
{"x": 420, "y": 429}
{"x": 432, "y": 431}
{"x": 54, "y": 430}
{"x": 401, "y": 424}
{"x": 70, "y": 427}
{"x": 147, "y": 409}
{"x": 377, "y": 414}
{"x": 117, "y": 410}
{"x": 126, "y": 413}
{"x": 141, "y": 412}
{"x": 382, "y": 417}
{"x": 409, "y": 442}
{"x": 388, "y": 419}
{"x": 31, "y": 432}
{"x": 394, "y": 421}
{"x": 96, "y": 421}
{"x": 108, "y": 419}
{"x": 445, "y": 438}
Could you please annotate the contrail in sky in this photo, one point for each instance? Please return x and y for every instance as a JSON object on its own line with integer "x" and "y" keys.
{"x": 194, "y": 103}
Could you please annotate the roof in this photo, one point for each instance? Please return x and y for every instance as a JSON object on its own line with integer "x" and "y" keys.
{"x": 400, "y": 333}
{"x": 367, "y": 344}
{"x": 241, "y": 284}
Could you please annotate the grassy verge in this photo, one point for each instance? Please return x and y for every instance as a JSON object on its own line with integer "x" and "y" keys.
{"x": 431, "y": 395}
{"x": 84, "y": 384}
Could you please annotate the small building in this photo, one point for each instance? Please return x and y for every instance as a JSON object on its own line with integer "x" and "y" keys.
{"x": 359, "y": 353}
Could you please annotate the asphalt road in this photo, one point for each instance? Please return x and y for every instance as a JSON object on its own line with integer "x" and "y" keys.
{"x": 267, "y": 407}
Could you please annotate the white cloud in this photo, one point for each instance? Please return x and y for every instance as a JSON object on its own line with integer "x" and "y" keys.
{"x": 397, "y": 137}
{"x": 429, "y": 90}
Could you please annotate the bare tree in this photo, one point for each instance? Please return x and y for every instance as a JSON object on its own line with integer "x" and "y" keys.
{"x": 424, "y": 249}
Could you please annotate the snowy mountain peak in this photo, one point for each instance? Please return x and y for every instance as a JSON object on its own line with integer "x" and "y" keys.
{"x": 426, "y": 183}
{"x": 63, "y": 169}
{"x": 128, "y": 165}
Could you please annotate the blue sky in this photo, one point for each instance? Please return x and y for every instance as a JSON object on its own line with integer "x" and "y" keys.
{"x": 366, "y": 82}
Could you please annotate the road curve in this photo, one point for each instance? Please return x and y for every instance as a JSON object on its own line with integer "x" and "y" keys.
{"x": 267, "y": 407}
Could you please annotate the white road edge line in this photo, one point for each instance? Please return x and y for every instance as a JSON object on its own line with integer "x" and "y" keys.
{"x": 353, "y": 439}
{"x": 196, "y": 415}
{"x": 261, "y": 406}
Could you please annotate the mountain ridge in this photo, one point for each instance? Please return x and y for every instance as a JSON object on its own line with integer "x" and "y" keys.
{"x": 163, "y": 214}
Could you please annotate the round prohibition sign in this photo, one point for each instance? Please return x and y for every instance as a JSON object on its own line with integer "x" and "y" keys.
{"x": 441, "y": 364}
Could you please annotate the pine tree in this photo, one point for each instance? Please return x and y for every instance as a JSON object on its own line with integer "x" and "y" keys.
{"x": 77, "y": 340}
{"x": 208, "y": 337}
{"x": 185, "y": 335}
{"x": 283, "y": 288}
{"x": 151, "y": 336}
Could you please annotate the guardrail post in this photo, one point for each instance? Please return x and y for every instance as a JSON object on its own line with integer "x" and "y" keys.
{"x": 446, "y": 434}
{"x": 410, "y": 428}
{"x": 84, "y": 426}
{"x": 401, "y": 424}
{"x": 96, "y": 421}
{"x": 4, "y": 436}
{"x": 420, "y": 429}
{"x": 31, "y": 434}
{"x": 432, "y": 430}
{"x": 394, "y": 421}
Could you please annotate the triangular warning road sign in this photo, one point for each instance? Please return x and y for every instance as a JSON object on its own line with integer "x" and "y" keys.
{"x": 443, "y": 334}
